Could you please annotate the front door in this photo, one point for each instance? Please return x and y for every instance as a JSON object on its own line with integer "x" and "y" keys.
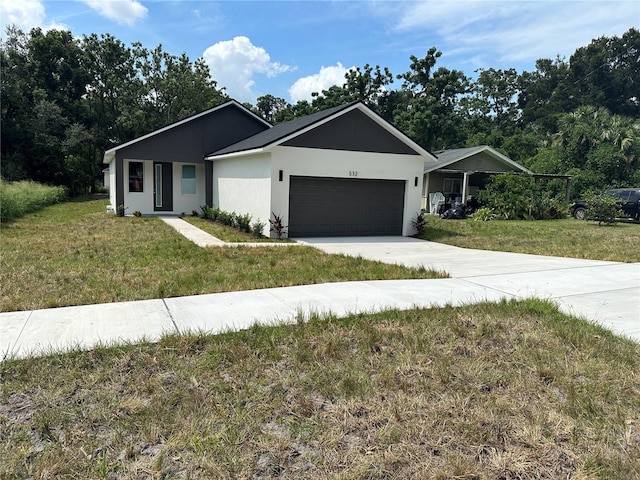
{"x": 162, "y": 187}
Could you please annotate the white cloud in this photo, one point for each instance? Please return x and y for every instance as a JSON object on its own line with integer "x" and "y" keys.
{"x": 126, "y": 12}
{"x": 505, "y": 32}
{"x": 233, "y": 64}
{"x": 325, "y": 78}
{"x": 25, "y": 14}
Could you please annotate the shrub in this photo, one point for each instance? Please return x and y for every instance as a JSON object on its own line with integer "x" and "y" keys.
{"x": 19, "y": 198}
{"x": 277, "y": 226}
{"x": 257, "y": 228}
{"x": 120, "y": 210}
{"x": 419, "y": 223}
{"x": 210, "y": 213}
{"x": 517, "y": 197}
{"x": 243, "y": 222}
{"x": 509, "y": 196}
{"x": 484, "y": 214}
{"x": 602, "y": 209}
{"x": 226, "y": 218}
{"x": 543, "y": 207}
{"x": 137, "y": 213}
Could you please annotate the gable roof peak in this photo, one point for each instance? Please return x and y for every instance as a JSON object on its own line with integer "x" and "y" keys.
{"x": 229, "y": 103}
{"x": 284, "y": 132}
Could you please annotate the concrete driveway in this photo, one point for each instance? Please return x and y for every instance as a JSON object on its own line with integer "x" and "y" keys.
{"x": 607, "y": 293}
{"x": 457, "y": 262}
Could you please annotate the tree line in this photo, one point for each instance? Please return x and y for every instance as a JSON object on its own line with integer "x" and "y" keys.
{"x": 66, "y": 100}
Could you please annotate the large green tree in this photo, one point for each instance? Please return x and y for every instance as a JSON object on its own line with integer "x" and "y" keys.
{"x": 607, "y": 72}
{"x": 429, "y": 107}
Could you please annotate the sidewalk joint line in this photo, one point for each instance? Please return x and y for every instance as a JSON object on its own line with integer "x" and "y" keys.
{"x": 171, "y": 316}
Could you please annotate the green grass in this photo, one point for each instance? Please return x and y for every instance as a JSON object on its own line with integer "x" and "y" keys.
{"x": 226, "y": 233}
{"x": 74, "y": 254}
{"x": 560, "y": 238}
{"x": 509, "y": 390}
{"x": 20, "y": 198}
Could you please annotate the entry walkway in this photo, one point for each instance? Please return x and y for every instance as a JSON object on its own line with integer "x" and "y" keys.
{"x": 603, "y": 292}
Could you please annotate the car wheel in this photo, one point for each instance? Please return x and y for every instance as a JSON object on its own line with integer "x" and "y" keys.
{"x": 579, "y": 213}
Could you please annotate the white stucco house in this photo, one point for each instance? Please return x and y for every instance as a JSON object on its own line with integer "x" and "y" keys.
{"x": 340, "y": 172}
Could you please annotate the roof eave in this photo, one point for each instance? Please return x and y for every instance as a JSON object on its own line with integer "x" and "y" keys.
{"x": 241, "y": 153}
{"x": 484, "y": 148}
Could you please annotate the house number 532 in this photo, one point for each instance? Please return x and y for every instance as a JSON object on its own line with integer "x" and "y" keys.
{"x": 353, "y": 173}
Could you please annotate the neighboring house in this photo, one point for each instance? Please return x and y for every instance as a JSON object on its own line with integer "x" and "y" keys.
{"x": 458, "y": 174}
{"x": 343, "y": 171}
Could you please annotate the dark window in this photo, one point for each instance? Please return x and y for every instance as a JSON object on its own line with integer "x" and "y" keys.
{"x": 136, "y": 176}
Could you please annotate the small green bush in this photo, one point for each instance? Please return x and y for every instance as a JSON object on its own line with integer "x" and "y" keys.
{"x": 602, "y": 209}
{"x": 225, "y": 218}
{"x": 210, "y": 213}
{"x": 484, "y": 215}
{"x": 517, "y": 197}
{"x": 243, "y": 222}
{"x": 120, "y": 210}
{"x": 257, "y": 228}
{"x": 20, "y": 198}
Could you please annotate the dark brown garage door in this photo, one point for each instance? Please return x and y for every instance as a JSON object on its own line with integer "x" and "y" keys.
{"x": 321, "y": 207}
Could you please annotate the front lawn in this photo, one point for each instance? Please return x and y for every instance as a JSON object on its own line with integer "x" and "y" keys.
{"x": 502, "y": 391}
{"x": 558, "y": 238}
{"x": 75, "y": 253}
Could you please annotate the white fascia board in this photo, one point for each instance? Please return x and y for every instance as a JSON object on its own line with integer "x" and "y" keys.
{"x": 109, "y": 157}
{"x": 186, "y": 120}
{"x": 241, "y": 153}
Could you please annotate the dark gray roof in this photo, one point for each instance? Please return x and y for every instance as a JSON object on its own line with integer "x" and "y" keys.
{"x": 449, "y": 157}
{"x": 280, "y": 131}
{"x": 445, "y": 157}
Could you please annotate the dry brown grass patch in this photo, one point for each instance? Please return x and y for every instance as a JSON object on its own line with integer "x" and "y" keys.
{"x": 513, "y": 391}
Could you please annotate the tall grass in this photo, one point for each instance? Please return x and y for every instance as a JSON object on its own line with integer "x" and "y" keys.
{"x": 19, "y": 198}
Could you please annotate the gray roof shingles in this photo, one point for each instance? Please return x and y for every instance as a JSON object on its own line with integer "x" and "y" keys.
{"x": 445, "y": 157}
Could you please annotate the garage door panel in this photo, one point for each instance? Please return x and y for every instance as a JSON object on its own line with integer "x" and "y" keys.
{"x": 320, "y": 206}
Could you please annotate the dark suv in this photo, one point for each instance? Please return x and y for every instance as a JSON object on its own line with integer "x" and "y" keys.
{"x": 627, "y": 198}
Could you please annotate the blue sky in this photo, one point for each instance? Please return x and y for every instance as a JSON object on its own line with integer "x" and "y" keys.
{"x": 291, "y": 48}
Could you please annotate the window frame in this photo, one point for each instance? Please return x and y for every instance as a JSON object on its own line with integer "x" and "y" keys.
{"x": 453, "y": 181}
{"x": 136, "y": 177}
{"x": 192, "y": 181}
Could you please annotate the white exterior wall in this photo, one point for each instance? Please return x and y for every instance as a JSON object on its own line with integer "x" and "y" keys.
{"x": 138, "y": 201}
{"x": 112, "y": 183}
{"x": 346, "y": 164}
{"x": 187, "y": 203}
{"x": 243, "y": 185}
{"x": 144, "y": 201}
